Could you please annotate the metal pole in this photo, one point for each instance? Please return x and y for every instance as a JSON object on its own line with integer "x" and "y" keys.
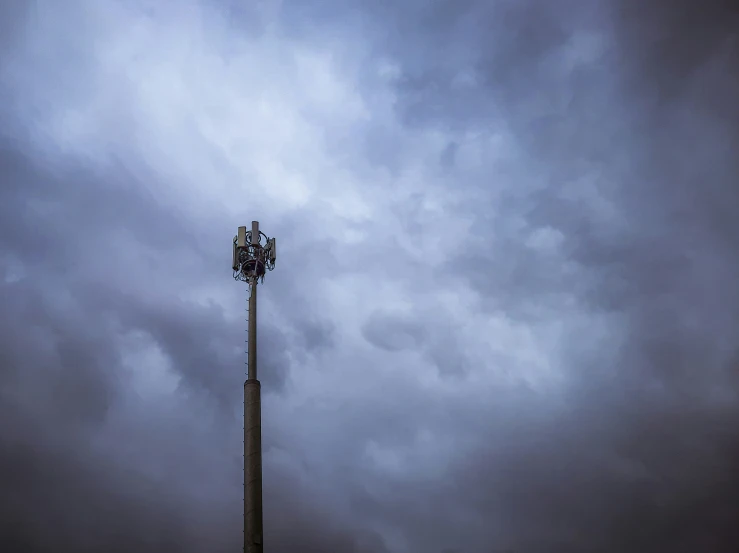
{"x": 252, "y": 334}
{"x": 252, "y": 439}
{"x": 251, "y": 259}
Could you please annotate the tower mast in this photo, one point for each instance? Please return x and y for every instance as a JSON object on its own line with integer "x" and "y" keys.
{"x": 253, "y": 255}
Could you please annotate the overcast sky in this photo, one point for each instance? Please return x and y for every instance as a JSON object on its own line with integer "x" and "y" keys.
{"x": 505, "y": 313}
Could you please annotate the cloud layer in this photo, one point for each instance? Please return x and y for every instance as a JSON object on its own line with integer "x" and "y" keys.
{"x": 504, "y": 313}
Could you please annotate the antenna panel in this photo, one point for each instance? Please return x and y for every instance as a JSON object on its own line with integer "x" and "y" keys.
{"x": 272, "y": 250}
{"x": 255, "y": 233}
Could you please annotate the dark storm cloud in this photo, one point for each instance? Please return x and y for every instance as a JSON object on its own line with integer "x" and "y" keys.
{"x": 70, "y": 291}
{"x": 619, "y": 207}
{"x": 643, "y": 456}
{"x": 632, "y": 150}
{"x": 84, "y": 257}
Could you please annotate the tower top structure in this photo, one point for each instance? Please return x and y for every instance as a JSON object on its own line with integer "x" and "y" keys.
{"x": 254, "y": 253}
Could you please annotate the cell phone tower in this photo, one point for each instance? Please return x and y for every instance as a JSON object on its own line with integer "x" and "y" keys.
{"x": 253, "y": 255}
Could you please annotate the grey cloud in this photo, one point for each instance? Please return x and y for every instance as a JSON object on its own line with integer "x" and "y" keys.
{"x": 449, "y": 155}
{"x": 613, "y": 220}
{"x": 632, "y": 156}
{"x": 69, "y": 292}
{"x": 428, "y": 332}
{"x": 393, "y": 333}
